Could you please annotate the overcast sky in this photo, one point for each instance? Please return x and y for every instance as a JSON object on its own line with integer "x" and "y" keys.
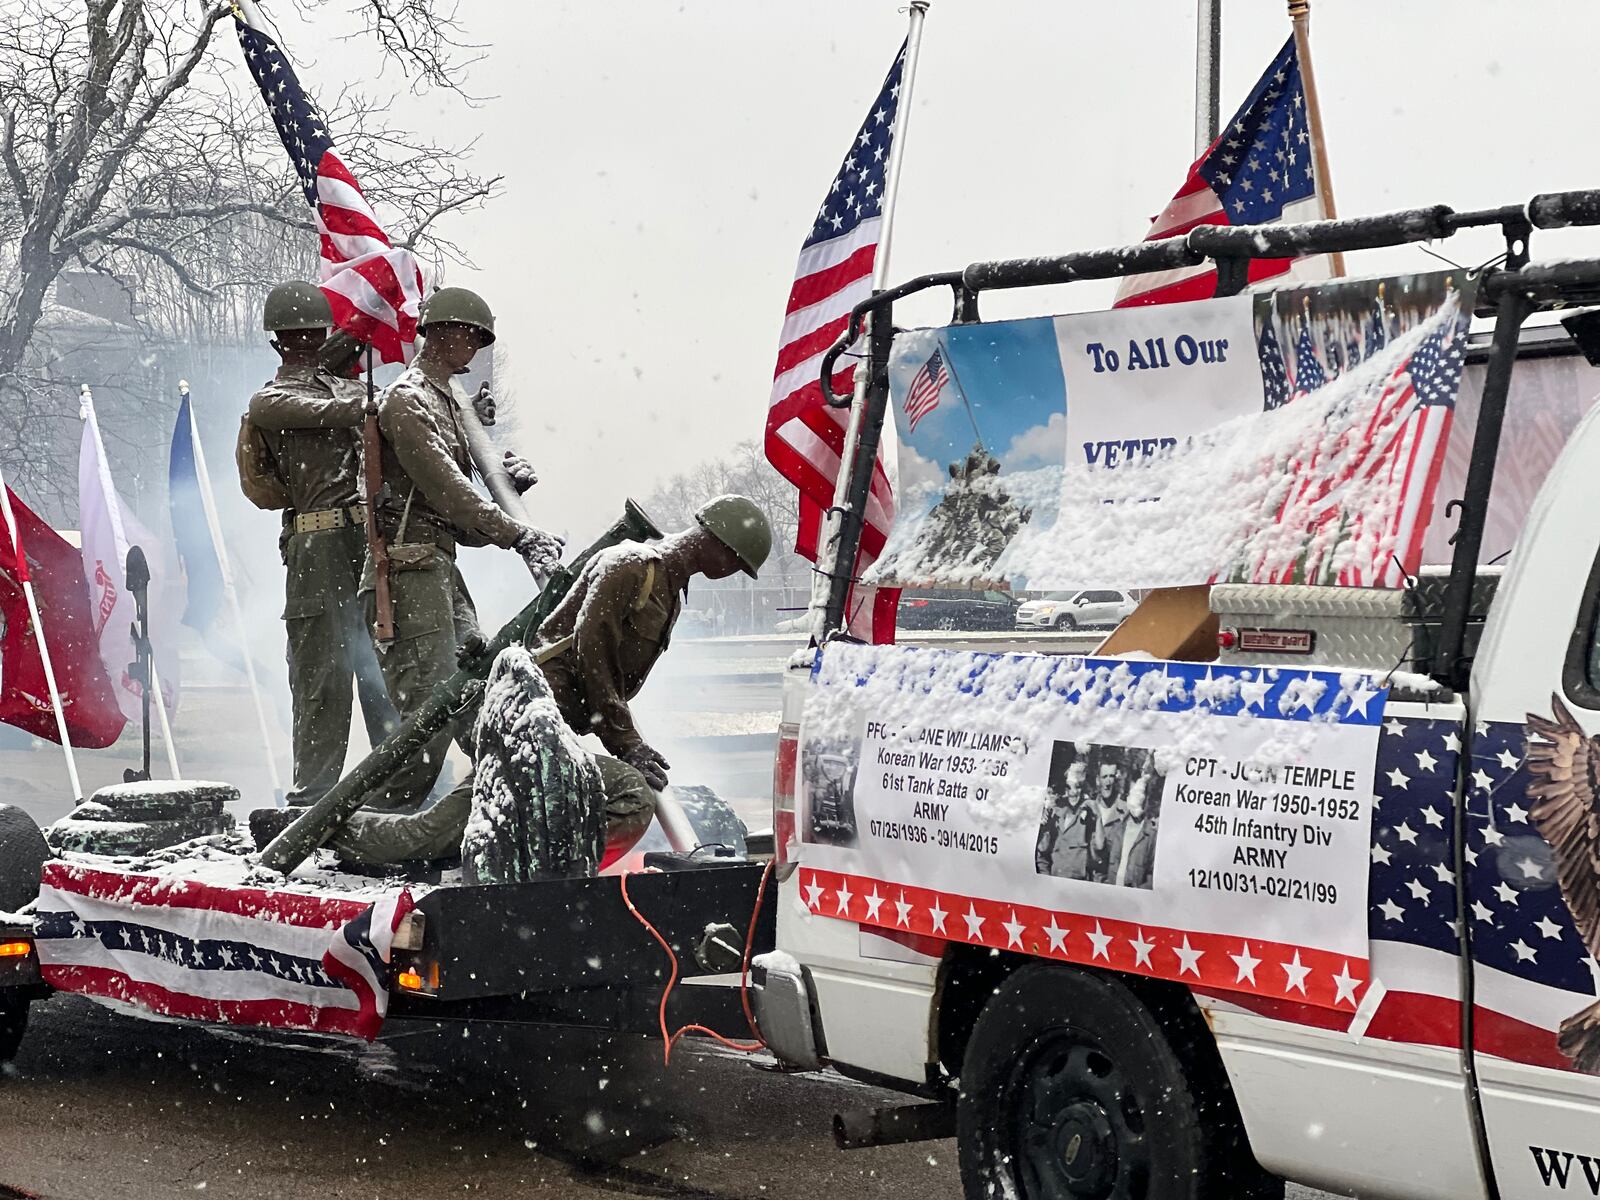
{"x": 663, "y": 161}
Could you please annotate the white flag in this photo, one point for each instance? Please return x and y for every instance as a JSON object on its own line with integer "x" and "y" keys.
{"x": 108, "y": 529}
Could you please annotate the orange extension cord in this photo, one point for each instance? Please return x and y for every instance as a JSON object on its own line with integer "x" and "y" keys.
{"x": 670, "y": 1040}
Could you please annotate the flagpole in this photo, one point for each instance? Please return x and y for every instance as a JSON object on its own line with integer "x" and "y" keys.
{"x": 827, "y": 546}
{"x": 209, "y": 504}
{"x": 166, "y": 725}
{"x": 14, "y": 534}
{"x": 1207, "y": 74}
{"x": 955, "y": 378}
{"x": 1300, "y": 14}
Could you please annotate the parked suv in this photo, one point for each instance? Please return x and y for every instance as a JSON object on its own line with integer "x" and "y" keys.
{"x": 954, "y": 608}
{"x": 1075, "y": 610}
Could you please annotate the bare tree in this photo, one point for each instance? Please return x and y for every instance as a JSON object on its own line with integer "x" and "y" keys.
{"x": 134, "y": 146}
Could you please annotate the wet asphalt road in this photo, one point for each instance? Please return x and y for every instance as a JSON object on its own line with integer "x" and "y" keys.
{"x": 102, "y": 1106}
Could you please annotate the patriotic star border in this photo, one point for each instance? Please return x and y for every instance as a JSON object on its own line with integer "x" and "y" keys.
{"x": 1221, "y": 962}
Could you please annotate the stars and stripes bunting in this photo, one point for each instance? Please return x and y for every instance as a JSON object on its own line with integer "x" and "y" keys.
{"x": 1224, "y": 961}
{"x": 804, "y": 437}
{"x": 927, "y": 387}
{"x": 373, "y": 286}
{"x": 234, "y": 955}
{"x": 1258, "y": 171}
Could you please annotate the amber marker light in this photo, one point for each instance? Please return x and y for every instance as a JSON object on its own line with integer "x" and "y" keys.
{"x": 410, "y": 980}
{"x": 15, "y": 949}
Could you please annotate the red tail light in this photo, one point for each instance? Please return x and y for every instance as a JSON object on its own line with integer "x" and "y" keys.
{"x": 785, "y": 844}
{"x": 916, "y": 604}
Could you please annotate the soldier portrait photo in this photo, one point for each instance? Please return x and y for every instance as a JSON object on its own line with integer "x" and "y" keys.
{"x": 828, "y": 768}
{"x": 1099, "y": 823}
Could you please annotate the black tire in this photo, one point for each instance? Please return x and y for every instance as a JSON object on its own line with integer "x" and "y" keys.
{"x": 1070, "y": 1088}
{"x": 1066, "y": 621}
{"x": 13, "y": 1023}
{"x": 23, "y": 853}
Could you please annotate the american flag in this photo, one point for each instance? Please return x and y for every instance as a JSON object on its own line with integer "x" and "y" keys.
{"x": 282, "y": 958}
{"x": 1308, "y": 372}
{"x": 1395, "y": 458}
{"x": 374, "y": 288}
{"x": 926, "y": 387}
{"x": 1258, "y": 171}
{"x": 805, "y": 438}
{"x": 1274, "y": 374}
{"x": 1530, "y": 969}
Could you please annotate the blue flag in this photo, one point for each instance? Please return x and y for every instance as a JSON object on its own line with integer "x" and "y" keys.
{"x": 202, "y": 572}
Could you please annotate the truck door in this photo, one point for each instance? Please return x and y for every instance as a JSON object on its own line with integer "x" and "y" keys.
{"x": 1531, "y": 845}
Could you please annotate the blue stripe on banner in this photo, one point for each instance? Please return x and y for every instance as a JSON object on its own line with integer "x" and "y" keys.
{"x": 193, "y": 954}
{"x": 1268, "y": 693}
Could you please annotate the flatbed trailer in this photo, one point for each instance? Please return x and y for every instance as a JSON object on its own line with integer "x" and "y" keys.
{"x": 569, "y": 953}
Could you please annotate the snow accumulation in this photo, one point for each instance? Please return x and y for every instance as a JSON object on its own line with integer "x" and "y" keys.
{"x": 536, "y": 793}
{"x": 1107, "y": 701}
{"x": 229, "y": 860}
{"x": 1291, "y": 490}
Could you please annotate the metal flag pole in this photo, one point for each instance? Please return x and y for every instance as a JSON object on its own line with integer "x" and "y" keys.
{"x": 1207, "y": 74}
{"x": 1300, "y": 14}
{"x": 828, "y": 544}
{"x": 208, "y": 502}
{"x": 166, "y": 725}
{"x": 38, "y": 636}
{"x": 955, "y": 379}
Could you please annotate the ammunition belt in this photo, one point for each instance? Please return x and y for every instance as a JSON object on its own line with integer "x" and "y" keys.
{"x": 329, "y": 518}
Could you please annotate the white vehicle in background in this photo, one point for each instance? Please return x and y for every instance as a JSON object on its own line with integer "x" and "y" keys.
{"x": 1076, "y": 610}
{"x": 1471, "y": 1068}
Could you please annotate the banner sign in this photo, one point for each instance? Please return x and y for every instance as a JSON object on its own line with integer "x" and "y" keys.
{"x": 1288, "y": 436}
{"x": 1194, "y": 822}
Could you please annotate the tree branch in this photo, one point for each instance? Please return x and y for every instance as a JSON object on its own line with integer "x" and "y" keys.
{"x": 478, "y": 192}
{"x": 166, "y": 256}
{"x": 103, "y": 229}
{"x": 8, "y": 151}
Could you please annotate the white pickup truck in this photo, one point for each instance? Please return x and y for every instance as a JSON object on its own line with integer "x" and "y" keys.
{"x": 1470, "y": 1068}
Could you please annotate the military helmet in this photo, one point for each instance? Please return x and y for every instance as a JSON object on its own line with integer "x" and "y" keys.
{"x": 296, "y": 305}
{"x": 739, "y": 524}
{"x": 460, "y": 306}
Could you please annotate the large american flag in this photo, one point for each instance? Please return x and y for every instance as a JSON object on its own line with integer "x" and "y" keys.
{"x": 374, "y": 288}
{"x": 805, "y": 438}
{"x": 1257, "y": 172}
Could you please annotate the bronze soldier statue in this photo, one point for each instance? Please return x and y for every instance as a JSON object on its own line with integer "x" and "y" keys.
{"x": 425, "y": 508}
{"x": 298, "y": 452}
{"x": 596, "y": 649}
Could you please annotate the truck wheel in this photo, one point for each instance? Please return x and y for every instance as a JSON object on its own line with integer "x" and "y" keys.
{"x": 1069, "y": 1088}
{"x": 23, "y": 853}
{"x": 13, "y": 1021}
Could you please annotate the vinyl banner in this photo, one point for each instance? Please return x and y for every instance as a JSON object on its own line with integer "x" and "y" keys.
{"x": 1200, "y": 823}
{"x": 1288, "y": 436}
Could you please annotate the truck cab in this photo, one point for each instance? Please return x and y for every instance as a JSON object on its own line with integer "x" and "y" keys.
{"x": 1471, "y": 1064}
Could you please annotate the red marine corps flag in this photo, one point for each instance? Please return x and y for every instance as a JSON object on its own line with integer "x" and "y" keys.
{"x": 374, "y": 288}
{"x": 32, "y": 552}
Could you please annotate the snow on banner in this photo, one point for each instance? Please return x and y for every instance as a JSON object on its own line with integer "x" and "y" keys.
{"x": 1199, "y": 823}
{"x": 1291, "y": 436}
{"x": 186, "y": 948}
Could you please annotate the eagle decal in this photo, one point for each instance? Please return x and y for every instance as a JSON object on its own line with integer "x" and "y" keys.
{"x": 1565, "y": 796}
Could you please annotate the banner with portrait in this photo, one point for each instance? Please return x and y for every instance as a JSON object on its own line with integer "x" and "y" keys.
{"x": 1189, "y": 821}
